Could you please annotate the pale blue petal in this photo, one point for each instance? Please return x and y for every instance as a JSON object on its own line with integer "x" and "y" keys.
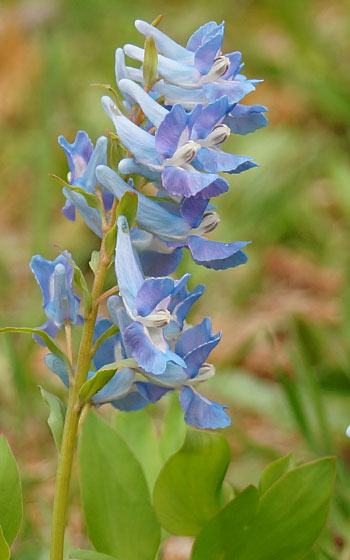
{"x": 179, "y": 182}
{"x": 57, "y": 366}
{"x": 201, "y": 412}
{"x": 78, "y": 153}
{"x": 197, "y": 38}
{"x": 90, "y": 215}
{"x": 132, "y": 401}
{"x": 150, "y": 215}
{"x": 235, "y": 89}
{"x": 165, "y": 45}
{"x": 129, "y": 275}
{"x": 117, "y": 387}
{"x": 245, "y": 119}
{"x": 153, "y": 110}
{"x": 128, "y": 166}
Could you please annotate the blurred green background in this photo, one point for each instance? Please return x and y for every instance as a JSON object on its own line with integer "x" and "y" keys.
{"x": 283, "y": 364}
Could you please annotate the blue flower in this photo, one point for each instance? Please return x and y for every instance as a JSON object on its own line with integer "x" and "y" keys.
{"x": 83, "y": 159}
{"x": 183, "y": 144}
{"x": 166, "y": 233}
{"x": 198, "y": 73}
{"x": 146, "y": 302}
{"x": 60, "y": 303}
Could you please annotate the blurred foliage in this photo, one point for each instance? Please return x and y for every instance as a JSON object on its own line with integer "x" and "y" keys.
{"x": 284, "y": 359}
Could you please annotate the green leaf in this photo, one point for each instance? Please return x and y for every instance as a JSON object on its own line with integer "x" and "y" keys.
{"x": 101, "y": 377}
{"x": 52, "y": 346}
{"x": 274, "y": 471}
{"x": 89, "y": 555}
{"x": 138, "y": 430}
{"x": 10, "y": 493}
{"x": 288, "y": 519}
{"x": 188, "y": 489}
{"x": 94, "y": 260}
{"x": 4, "y": 547}
{"x": 150, "y": 63}
{"x": 91, "y": 199}
{"x": 110, "y": 240}
{"x": 226, "y": 532}
{"x": 56, "y": 417}
{"x": 174, "y": 428}
{"x": 116, "y": 501}
{"x": 115, "y": 151}
{"x": 128, "y": 206}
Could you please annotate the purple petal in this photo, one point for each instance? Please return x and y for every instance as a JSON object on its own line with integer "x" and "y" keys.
{"x": 211, "y": 115}
{"x": 192, "y": 209}
{"x": 244, "y": 119}
{"x": 160, "y": 264}
{"x": 132, "y": 401}
{"x": 68, "y": 210}
{"x": 150, "y": 391}
{"x": 152, "y": 292}
{"x": 171, "y": 130}
{"x": 235, "y": 65}
{"x": 179, "y": 182}
{"x": 202, "y": 412}
{"x": 197, "y": 38}
{"x": 194, "y": 337}
{"x": 215, "y": 160}
{"x": 148, "y": 356}
{"x": 106, "y": 352}
{"x": 205, "y": 55}
{"x": 216, "y": 255}
{"x": 78, "y": 153}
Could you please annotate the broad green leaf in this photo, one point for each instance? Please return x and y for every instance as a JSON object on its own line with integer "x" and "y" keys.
{"x": 4, "y": 547}
{"x": 90, "y": 555}
{"x": 116, "y": 500}
{"x": 188, "y": 489}
{"x": 115, "y": 151}
{"x": 138, "y": 430}
{"x": 101, "y": 378}
{"x": 56, "y": 417}
{"x": 52, "y": 346}
{"x": 128, "y": 206}
{"x": 94, "y": 260}
{"x": 10, "y": 493}
{"x": 174, "y": 428}
{"x": 288, "y": 519}
{"x": 274, "y": 471}
{"x": 226, "y": 532}
{"x": 150, "y": 63}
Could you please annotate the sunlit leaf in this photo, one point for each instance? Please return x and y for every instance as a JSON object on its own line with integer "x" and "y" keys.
{"x": 56, "y": 417}
{"x": 10, "y": 494}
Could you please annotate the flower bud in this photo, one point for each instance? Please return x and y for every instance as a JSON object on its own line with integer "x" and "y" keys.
{"x": 185, "y": 154}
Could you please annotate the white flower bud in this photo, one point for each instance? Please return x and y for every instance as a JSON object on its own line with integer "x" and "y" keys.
{"x": 218, "y": 135}
{"x": 183, "y": 155}
{"x": 220, "y": 65}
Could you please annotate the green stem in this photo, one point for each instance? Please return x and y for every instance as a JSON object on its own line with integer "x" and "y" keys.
{"x": 73, "y": 413}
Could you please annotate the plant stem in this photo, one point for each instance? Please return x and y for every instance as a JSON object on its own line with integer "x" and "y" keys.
{"x": 74, "y": 410}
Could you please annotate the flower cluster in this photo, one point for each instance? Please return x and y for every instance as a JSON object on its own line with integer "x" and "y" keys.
{"x": 172, "y": 131}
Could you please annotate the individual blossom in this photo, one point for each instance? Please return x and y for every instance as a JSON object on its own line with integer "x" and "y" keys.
{"x": 194, "y": 345}
{"x": 199, "y": 73}
{"x": 146, "y": 302}
{"x": 60, "y": 303}
{"x": 165, "y": 233}
{"x": 183, "y": 146}
{"x": 82, "y": 160}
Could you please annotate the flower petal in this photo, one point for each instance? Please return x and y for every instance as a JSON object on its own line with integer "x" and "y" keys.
{"x": 153, "y": 111}
{"x": 178, "y": 181}
{"x": 201, "y": 412}
{"x": 215, "y": 160}
{"x": 91, "y": 216}
{"x": 57, "y": 366}
{"x": 205, "y": 55}
{"x": 150, "y": 391}
{"x": 165, "y": 45}
{"x": 192, "y": 209}
{"x": 216, "y": 255}
{"x": 78, "y": 153}
{"x": 244, "y": 119}
{"x": 148, "y": 356}
{"x": 235, "y": 89}
{"x": 171, "y": 130}
{"x": 198, "y": 37}
{"x": 117, "y": 387}
{"x": 151, "y": 293}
